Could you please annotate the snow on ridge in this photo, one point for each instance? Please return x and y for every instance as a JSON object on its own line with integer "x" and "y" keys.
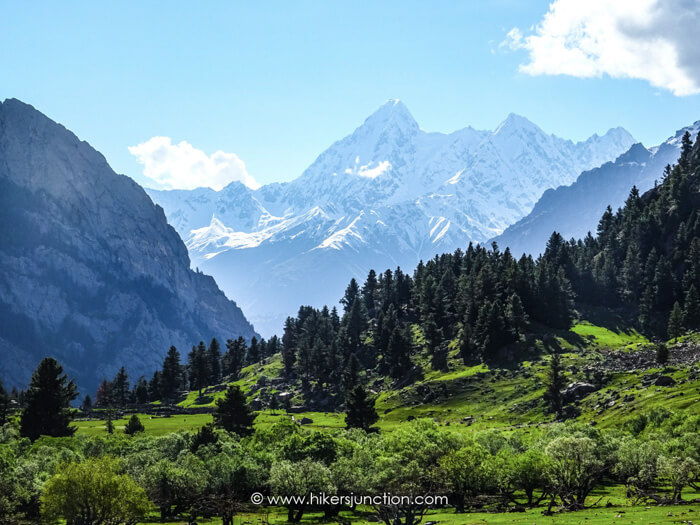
{"x": 388, "y": 193}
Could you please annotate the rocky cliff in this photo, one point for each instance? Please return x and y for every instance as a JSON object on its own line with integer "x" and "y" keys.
{"x": 90, "y": 271}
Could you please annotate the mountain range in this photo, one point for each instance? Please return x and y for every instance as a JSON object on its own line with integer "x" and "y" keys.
{"x": 389, "y": 194}
{"x": 575, "y": 210}
{"x": 90, "y": 271}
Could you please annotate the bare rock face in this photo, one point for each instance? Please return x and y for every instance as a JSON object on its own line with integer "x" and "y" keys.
{"x": 90, "y": 271}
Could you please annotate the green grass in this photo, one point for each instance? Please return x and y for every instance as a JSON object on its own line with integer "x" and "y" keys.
{"x": 598, "y": 515}
{"x": 321, "y": 420}
{"x": 601, "y": 336}
{"x": 156, "y": 426}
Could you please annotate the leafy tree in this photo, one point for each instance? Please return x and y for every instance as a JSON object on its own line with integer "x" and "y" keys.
{"x": 299, "y": 479}
{"x": 636, "y": 466}
{"x": 134, "y": 426}
{"x": 176, "y": 486}
{"x": 678, "y": 472}
{"x": 530, "y": 475}
{"x": 93, "y": 493}
{"x": 232, "y": 412}
{"x": 359, "y": 409}
{"x": 574, "y": 467}
{"x": 47, "y": 402}
{"x": 463, "y": 474}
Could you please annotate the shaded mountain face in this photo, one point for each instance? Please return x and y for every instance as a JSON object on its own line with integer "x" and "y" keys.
{"x": 388, "y": 194}
{"x": 90, "y": 271}
{"x": 574, "y": 210}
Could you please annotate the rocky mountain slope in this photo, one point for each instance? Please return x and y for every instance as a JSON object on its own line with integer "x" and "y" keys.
{"x": 388, "y": 194}
{"x": 574, "y": 210}
{"x": 90, "y": 270}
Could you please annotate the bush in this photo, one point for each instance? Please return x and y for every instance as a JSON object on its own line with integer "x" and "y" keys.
{"x": 93, "y": 493}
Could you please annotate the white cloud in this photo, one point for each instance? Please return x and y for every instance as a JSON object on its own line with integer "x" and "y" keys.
{"x": 182, "y": 166}
{"x": 652, "y": 40}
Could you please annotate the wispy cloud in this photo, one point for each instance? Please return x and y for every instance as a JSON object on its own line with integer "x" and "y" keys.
{"x": 652, "y": 40}
{"x": 182, "y": 166}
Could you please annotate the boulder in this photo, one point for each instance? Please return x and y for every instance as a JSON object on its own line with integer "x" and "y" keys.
{"x": 577, "y": 391}
{"x": 306, "y": 421}
{"x": 664, "y": 381}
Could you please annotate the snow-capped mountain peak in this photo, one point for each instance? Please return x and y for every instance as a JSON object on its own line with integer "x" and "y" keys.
{"x": 387, "y": 194}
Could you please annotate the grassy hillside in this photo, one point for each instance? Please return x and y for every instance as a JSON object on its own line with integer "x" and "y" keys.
{"x": 499, "y": 395}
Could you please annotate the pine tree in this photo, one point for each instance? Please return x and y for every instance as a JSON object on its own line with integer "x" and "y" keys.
{"x": 4, "y": 404}
{"x": 47, "y": 402}
{"x": 675, "y": 322}
{"x": 140, "y": 392}
{"x": 171, "y": 375}
{"x": 134, "y": 426}
{"x": 691, "y": 309}
{"x": 661, "y": 351}
{"x": 233, "y": 359}
{"x": 232, "y": 412}
{"x": 103, "y": 397}
{"x": 466, "y": 342}
{"x": 204, "y": 437}
{"x": 109, "y": 425}
{"x": 359, "y": 409}
{"x": 399, "y": 353}
{"x": 351, "y": 375}
{"x": 289, "y": 346}
{"x": 354, "y": 322}
{"x": 516, "y": 318}
{"x": 155, "y": 391}
{"x": 120, "y": 388}
{"x": 198, "y": 367}
{"x": 86, "y": 406}
{"x": 369, "y": 292}
{"x": 214, "y": 362}
{"x": 352, "y": 292}
{"x": 554, "y": 383}
{"x": 253, "y": 352}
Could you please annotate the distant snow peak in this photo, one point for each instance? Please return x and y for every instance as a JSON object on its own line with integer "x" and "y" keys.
{"x": 386, "y": 195}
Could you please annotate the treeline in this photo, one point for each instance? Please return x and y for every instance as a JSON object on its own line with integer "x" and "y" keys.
{"x": 645, "y": 258}
{"x": 485, "y": 298}
{"x": 206, "y": 365}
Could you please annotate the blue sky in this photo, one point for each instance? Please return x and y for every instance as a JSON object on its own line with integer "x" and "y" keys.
{"x": 275, "y": 83}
